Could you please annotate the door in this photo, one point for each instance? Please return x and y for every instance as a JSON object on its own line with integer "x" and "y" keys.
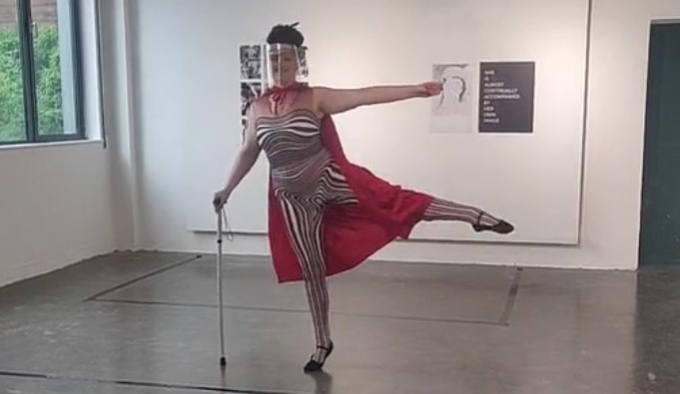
{"x": 660, "y": 216}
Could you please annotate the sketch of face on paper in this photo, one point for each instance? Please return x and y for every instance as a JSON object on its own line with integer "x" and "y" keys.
{"x": 452, "y": 109}
{"x": 455, "y": 96}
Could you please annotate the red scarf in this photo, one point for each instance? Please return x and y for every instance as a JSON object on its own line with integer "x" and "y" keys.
{"x": 351, "y": 233}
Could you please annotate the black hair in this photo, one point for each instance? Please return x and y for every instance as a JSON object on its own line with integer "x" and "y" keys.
{"x": 285, "y": 34}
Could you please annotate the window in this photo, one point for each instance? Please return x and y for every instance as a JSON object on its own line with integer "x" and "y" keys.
{"x": 40, "y": 85}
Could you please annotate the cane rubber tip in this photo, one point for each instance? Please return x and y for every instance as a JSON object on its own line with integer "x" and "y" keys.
{"x": 223, "y": 361}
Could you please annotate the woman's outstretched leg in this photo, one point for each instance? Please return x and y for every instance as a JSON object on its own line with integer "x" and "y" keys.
{"x": 440, "y": 209}
{"x": 303, "y": 220}
{"x": 481, "y": 221}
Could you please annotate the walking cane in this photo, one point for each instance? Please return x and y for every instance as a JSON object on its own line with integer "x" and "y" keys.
{"x": 220, "y": 214}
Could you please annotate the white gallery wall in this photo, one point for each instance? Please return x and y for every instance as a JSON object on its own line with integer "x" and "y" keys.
{"x": 55, "y": 206}
{"x": 158, "y": 130}
{"x": 55, "y": 200}
{"x": 356, "y": 43}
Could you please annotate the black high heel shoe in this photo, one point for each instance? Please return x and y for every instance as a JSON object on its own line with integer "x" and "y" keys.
{"x": 502, "y": 227}
{"x": 315, "y": 366}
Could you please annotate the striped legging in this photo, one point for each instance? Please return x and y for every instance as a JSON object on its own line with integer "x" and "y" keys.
{"x": 304, "y": 213}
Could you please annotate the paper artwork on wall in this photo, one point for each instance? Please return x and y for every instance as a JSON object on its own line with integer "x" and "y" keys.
{"x": 304, "y": 68}
{"x": 251, "y": 78}
{"x": 249, "y": 92}
{"x": 251, "y": 62}
{"x": 452, "y": 110}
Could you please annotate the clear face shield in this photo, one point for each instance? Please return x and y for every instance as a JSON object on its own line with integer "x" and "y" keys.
{"x": 284, "y": 64}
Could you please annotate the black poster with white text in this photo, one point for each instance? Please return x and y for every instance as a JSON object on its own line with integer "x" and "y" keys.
{"x": 506, "y": 99}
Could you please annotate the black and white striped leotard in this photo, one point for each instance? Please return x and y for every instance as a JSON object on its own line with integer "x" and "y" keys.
{"x": 300, "y": 163}
{"x": 306, "y": 179}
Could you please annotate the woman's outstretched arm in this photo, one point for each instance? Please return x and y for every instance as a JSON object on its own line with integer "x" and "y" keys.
{"x": 332, "y": 101}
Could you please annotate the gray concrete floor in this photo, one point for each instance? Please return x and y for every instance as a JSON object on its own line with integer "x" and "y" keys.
{"x": 147, "y": 323}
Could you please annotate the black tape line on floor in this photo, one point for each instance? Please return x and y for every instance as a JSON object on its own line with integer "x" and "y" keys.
{"x": 142, "y": 277}
{"x": 282, "y": 310}
{"x": 133, "y": 383}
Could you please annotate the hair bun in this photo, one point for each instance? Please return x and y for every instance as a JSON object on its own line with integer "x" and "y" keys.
{"x": 285, "y": 34}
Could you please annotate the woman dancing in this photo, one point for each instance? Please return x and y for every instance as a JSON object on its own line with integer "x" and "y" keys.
{"x": 326, "y": 214}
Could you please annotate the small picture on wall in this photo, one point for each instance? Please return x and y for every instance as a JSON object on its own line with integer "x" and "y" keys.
{"x": 452, "y": 109}
{"x": 251, "y": 61}
{"x": 244, "y": 125}
{"x": 249, "y": 92}
{"x": 304, "y": 69}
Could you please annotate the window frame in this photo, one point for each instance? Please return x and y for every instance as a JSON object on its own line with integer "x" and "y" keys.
{"x": 26, "y": 42}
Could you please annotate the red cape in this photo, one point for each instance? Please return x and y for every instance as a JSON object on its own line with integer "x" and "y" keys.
{"x": 351, "y": 233}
